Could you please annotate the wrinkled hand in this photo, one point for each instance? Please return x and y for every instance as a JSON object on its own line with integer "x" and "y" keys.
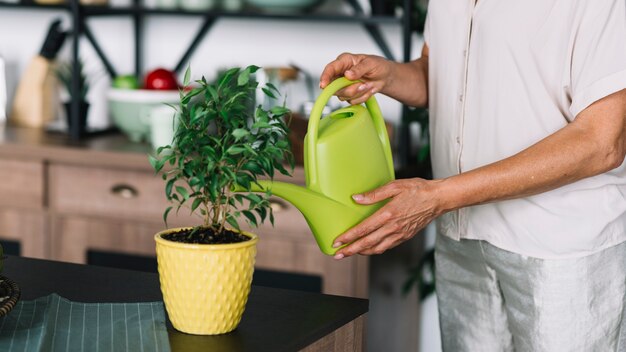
{"x": 413, "y": 204}
{"x": 374, "y": 73}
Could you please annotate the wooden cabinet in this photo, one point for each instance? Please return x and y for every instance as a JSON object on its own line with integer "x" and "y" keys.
{"x": 22, "y": 198}
{"x": 22, "y": 185}
{"x": 28, "y": 228}
{"x": 61, "y": 201}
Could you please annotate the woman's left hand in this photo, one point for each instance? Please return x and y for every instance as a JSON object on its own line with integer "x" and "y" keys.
{"x": 413, "y": 204}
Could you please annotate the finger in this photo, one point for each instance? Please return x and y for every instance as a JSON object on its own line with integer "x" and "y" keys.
{"x": 362, "y": 98}
{"x": 385, "y": 245}
{"x": 351, "y": 98}
{"x": 374, "y": 196}
{"x": 336, "y": 68}
{"x": 366, "y": 227}
{"x": 364, "y": 243}
{"x": 353, "y": 90}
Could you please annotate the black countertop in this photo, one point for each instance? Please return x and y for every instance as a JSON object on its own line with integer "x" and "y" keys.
{"x": 274, "y": 320}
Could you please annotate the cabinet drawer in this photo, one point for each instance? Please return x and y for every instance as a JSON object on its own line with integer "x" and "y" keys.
{"x": 22, "y": 184}
{"x": 106, "y": 192}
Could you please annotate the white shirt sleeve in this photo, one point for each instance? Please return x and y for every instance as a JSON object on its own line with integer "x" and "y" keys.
{"x": 598, "y": 66}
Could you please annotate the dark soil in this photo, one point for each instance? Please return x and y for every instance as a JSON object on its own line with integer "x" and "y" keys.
{"x": 205, "y": 235}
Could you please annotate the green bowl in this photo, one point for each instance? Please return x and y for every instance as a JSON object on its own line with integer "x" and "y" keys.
{"x": 130, "y": 109}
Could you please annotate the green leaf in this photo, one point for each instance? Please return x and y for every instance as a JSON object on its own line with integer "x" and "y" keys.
{"x": 282, "y": 170}
{"x": 269, "y": 93}
{"x": 194, "y": 181}
{"x": 227, "y": 76}
{"x": 262, "y": 211}
{"x": 250, "y": 216}
{"x": 183, "y": 192}
{"x": 252, "y": 166}
{"x": 155, "y": 163}
{"x": 244, "y": 78}
{"x": 213, "y": 93}
{"x": 196, "y": 204}
{"x": 190, "y": 95}
{"x": 213, "y": 187}
{"x": 254, "y": 198}
{"x": 250, "y": 150}
{"x": 232, "y": 221}
{"x": 240, "y": 133}
{"x": 253, "y": 68}
{"x": 235, "y": 97}
{"x": 261, "y": 124}
{"x": 272, "y": 87}
{"x": 234, "y": 150}
{"x": 168, "y": 188}
{"x": 187, "y": 76}
{"x": 243, "y": 180}
{"x": 165, "y": 214}
{"x": 279, "y": 110}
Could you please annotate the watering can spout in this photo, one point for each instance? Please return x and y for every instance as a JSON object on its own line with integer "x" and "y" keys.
{"x": 324, "y": 215}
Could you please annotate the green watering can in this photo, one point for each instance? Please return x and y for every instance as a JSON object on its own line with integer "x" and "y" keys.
{"x": 344, "y": 154}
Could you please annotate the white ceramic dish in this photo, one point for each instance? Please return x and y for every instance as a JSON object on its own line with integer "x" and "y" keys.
{"x": 130, "y": 109}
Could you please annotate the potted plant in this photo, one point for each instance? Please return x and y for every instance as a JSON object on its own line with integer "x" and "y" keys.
{"x": 222, "y": 142}
{"x": 64, "y": 73}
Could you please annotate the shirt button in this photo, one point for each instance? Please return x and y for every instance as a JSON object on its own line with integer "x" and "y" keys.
{"x": 461, "y": 97}
{"x": 464, "y": 53}
{"x": 458, "y": 140}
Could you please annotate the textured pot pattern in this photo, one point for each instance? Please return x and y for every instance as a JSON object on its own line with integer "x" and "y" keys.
{"x": 205, "y": 287}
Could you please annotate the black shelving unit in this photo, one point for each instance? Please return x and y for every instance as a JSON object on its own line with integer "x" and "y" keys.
{"x": 80, "y": 27}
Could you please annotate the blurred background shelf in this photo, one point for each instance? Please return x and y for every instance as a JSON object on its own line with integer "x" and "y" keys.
{"x": 34, "y": 6}
{"x": 80, "y": 27}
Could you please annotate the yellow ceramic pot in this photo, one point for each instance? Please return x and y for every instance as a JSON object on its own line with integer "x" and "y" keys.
{"x": 205, "y": 287}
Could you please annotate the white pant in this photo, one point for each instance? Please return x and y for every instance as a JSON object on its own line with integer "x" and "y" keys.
{"x": 494, "y": 300}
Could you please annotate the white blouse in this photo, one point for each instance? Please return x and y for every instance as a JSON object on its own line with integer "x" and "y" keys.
{"x": 504, "y": 74}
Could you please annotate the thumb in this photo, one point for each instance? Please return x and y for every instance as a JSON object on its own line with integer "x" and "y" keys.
{"x": 379, "y": 194}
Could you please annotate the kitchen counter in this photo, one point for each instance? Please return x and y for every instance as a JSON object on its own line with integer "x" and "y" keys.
{"x": 108, "y": 149}
{"x": 274, "y": 320}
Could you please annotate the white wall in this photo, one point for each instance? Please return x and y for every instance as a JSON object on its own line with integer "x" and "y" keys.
{"x": 230, "y": 42}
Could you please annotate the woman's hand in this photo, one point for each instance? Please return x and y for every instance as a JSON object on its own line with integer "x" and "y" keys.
{"x": 374, "y": 72}
{"x": 413, "y": 204}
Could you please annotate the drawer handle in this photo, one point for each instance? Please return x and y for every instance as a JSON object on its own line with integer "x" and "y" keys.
{"x": 277, "y": 205}
{"x": 124, "y": 191}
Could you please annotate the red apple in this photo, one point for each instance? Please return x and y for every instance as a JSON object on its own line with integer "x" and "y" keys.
{"x": 161, "y": 79}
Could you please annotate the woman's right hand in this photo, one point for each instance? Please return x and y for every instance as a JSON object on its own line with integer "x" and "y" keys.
{"x": 374, "y": 72}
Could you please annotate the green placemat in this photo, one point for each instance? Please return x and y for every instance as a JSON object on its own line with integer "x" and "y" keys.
{"x": 53, "y": 323}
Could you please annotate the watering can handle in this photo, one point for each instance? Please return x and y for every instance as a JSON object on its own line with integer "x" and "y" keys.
{"x": 316, "y": 115}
